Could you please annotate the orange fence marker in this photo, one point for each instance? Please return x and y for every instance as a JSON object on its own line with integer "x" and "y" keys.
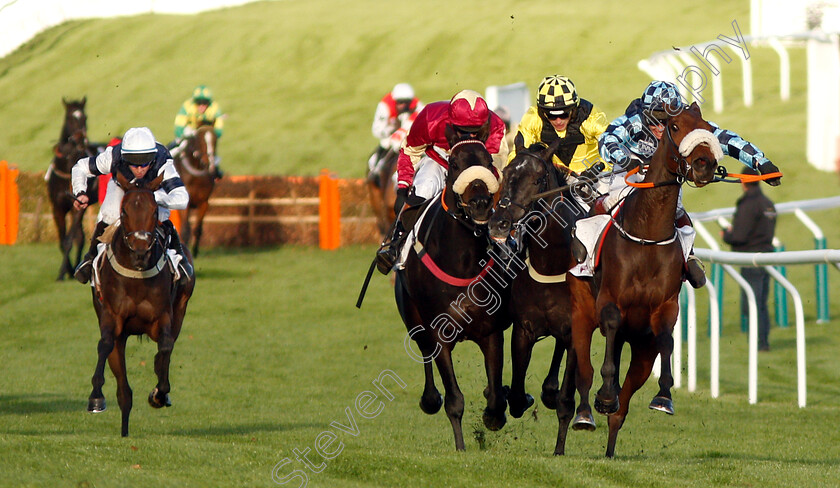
{"x": 329, "y": 212}
{"x": 9, "y": 204}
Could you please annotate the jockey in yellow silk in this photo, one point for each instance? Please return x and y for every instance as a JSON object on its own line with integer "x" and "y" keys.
{"x": 200, "y": 109}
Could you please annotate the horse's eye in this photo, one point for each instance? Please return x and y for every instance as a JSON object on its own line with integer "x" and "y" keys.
{"x": 674, "y": 127}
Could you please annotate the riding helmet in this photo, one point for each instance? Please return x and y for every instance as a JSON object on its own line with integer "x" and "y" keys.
{"x": 468, "y": 110}
{"x": 557, "y": 94}
{"x": 658, "y": 94}
{"x": 402, "y": 91}
{"x": 138, "y": 146}
{"x": 202, "y": 94}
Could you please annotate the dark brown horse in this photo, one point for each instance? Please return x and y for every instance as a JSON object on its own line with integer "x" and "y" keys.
{"x": 135, "y": 295}
{"x": 634, "y": 293}
{"x": 539, "y": 296}
{"x": 195, "y": 165}
{"x": 447, "y": 291}
{"x": 382, "y": 191}
{"x": 72, "y": 145}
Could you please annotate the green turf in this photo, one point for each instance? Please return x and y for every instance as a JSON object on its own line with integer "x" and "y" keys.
{"x": 273, "y": 351}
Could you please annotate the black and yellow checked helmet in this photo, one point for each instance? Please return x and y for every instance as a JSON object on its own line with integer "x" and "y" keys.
{"x": 556, "y": 92}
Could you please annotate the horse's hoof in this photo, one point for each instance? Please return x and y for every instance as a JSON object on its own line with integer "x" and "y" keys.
{"x": 549, "y": 399}
{"x": 606, "y": 407}
{"x": 663, "y": 404}
{"x": 583, "y": 421}
{"x": 431, "y": 406}
{"x": 155, "y": 402}
{"x": 518, "y": 405}
{"x": 96, "y": 405}
{"x": 492, "y": 421}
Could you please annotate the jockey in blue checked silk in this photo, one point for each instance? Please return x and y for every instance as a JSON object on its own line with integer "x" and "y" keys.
{"x": 632, "y": 138}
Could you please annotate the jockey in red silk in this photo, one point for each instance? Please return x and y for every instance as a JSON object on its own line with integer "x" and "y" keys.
{"x": 423, "y": 159}
{"x": 393, "y": 118}
{"x": 140, "y": 159}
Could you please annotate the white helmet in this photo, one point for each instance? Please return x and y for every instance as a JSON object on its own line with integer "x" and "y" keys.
{"x": 402, "y": 91}
{"x": 138, "y": 146}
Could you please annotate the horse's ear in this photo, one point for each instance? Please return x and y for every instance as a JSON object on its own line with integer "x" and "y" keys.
{"x": 518, "y": 143}
{"x": 695, "y": 108}
{"x": 484, "y": 133}
{"x": 123, "y": 181}
{"x": 551, "y": 150}
{"x": 451, "y": 135}
{"x": 84, "y": 101}
{"x": 64, "y": 101}
{"x": 155, "y": 183}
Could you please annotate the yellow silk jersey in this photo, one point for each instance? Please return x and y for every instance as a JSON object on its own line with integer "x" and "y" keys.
{"x": 188, "y": 116}
{"x": 580, "y": 148}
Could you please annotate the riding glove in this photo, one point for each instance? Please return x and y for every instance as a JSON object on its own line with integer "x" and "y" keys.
{"x": 768, "y": 168}
{"x": 402, "y": 194}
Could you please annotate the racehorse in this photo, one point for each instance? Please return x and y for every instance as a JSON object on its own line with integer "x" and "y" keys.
{"x": 195, "y": 166}
{"x": 382, "y": 191}
{"x": 72, "y": 145}
{"x": 634, "y": 293}
{"x": 445, "y": 292}
{"x": 539, "y": 295}
{"x": 135, "y": 295}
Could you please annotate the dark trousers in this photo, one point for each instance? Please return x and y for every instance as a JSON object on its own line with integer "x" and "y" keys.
{"x": 759, "y": 280}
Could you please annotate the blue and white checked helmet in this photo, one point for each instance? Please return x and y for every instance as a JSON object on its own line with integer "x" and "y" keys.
{"x": 660, "y": 93}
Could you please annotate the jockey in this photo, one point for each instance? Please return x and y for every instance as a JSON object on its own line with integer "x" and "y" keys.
{"x": 140, "y": 158}
{"x": 422, "y": 163}
{"x": 632, "y": 138}
{"x": 198, "y": 110}
{"x": 561, "y": 114}
{"x": 393, "y": 118}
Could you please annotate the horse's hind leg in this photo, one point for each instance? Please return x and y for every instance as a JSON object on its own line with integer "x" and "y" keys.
{"x": 492, "y": 348}
{"x": 565, "y": 401}
{"x": 79, "y": 239}
{"x": 607, "y": 400}
{"x": 431, "y": 401}
{"x": 552, "y": 382}
{"x": 124, "y": 394}
{"x": 159, "y": 397}
{"x": 199, "y": 226}
{"x": 522, "y": 343}
{"x": 454, "y": 399}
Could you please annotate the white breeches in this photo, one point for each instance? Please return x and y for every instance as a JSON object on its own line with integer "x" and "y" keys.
{"x": 430, "y": 178}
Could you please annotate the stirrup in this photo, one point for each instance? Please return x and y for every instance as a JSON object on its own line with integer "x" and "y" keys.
{"x": 84, "y": 270}
{"x": 386, "y": 258}
{"x": 695, "y": 273}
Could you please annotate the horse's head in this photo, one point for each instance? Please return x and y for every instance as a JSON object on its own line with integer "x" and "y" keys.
{"x": 203, "y": 146}
{"x": 75, "y": 121}
{"x": 138, "y": 217}
{"x": 693, "y": 149}
{"x": 470, "y": 178}
{"x": 529, "y": 173}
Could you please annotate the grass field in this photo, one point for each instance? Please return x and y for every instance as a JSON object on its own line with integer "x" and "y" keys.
{"x": 273, "y": 351}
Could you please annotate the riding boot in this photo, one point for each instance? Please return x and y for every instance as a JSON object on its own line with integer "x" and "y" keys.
{"x": 185, "y": 268}
{"x": 695, "y": 273}
{"x": 217, "y": 170}
{"x": 578, "y": 249}
{"x": 386, "y": 256}
{"x": 85, "y": 267}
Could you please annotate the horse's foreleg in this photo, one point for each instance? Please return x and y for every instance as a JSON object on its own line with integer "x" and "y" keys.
{"x": 61, "y": 228}
{"x": 199, "y": 225}
{"x": 641, "y": 364}
{"x": 666, "y": 318}
{"x": 116, "y": 360}
{"x": 96, "y": 401}
{"x": 583, "y": 327}
{"x": 431, "y": 401}
{"x": 454, "y": 399}
{"x": 565, "y": 400}
{"x": 492, "y": 347}
{"x": 522, "y": 343}
{"x": 606, "y": 400}
{"x": 552, "y": 380}
{"x": 159, "y": 397}
{"x": 78, "y": 238}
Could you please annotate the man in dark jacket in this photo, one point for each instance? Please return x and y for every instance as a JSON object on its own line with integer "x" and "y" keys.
{"x": 752, "y": 229}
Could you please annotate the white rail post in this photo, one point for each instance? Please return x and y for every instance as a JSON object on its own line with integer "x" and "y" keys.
{"x": 802, "y": 390}
{"x": 752, "y": 375}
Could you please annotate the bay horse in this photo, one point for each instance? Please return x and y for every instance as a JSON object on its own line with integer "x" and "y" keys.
{"x": 72, "y": 145}
{"x": 136, "y": 295}
{"x": 382, "y": 192}
{"x": 195, "y": 166}
{"x": 540, "y": 301}
{"x": 634, "y": 293}
{"x": 445, "y": 293}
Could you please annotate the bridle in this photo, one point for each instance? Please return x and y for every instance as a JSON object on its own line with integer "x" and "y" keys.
{"x": 459, "y": 213}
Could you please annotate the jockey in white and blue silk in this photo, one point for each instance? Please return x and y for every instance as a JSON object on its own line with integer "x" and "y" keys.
{"x": 632, "y": 138}
{"x": 140, "y": 159}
